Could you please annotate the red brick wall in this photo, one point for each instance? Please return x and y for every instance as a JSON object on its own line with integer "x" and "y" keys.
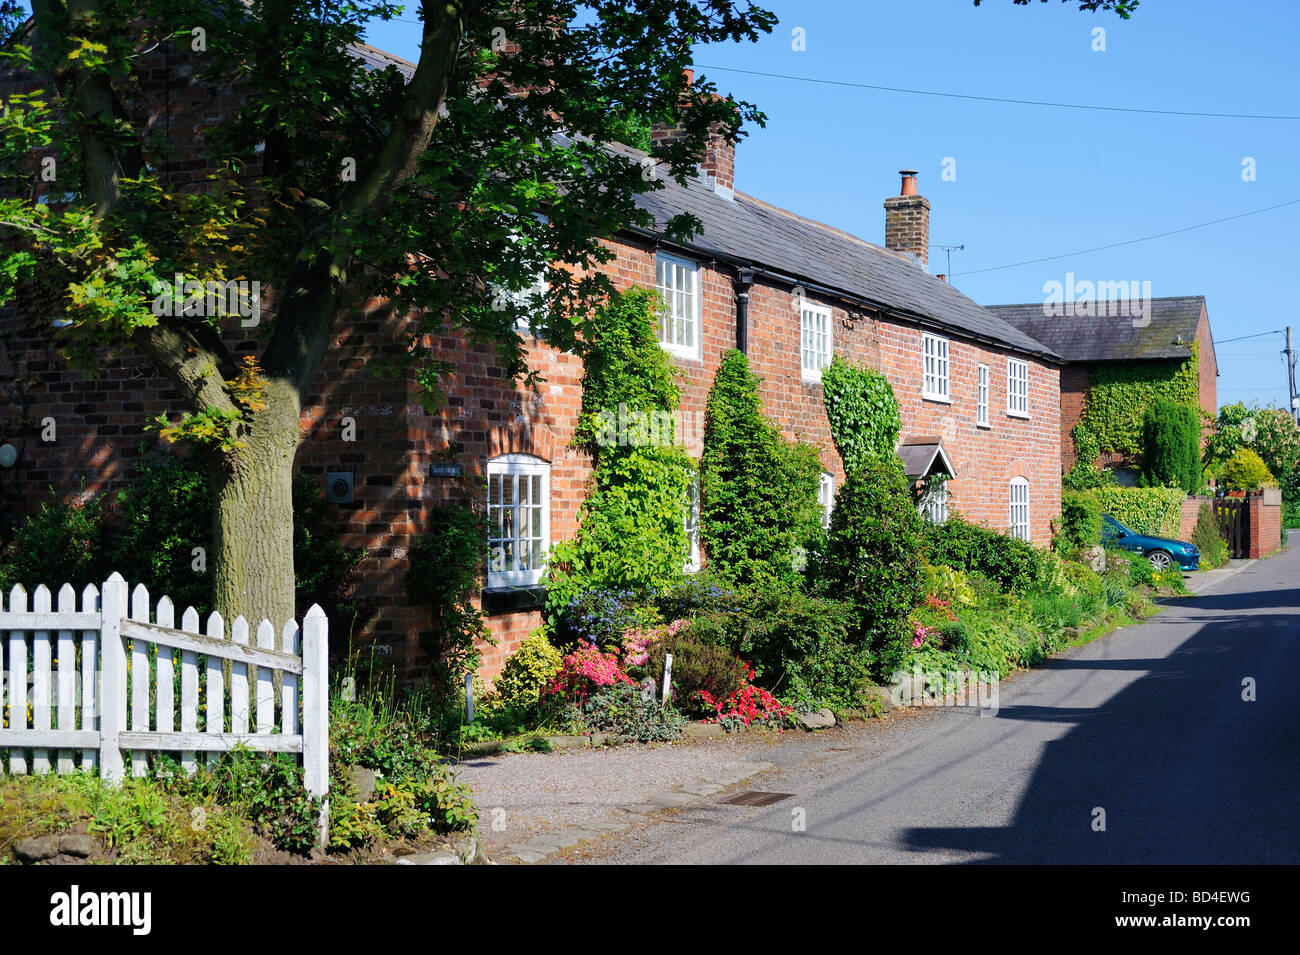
{"x": 1265, "y": 526}
{"x": 1191, "y": 513}
{"x": 1208, "y": 386}
{"x": 1074, "y": 394}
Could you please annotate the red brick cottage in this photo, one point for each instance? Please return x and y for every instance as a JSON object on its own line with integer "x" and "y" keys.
{"x": 979, "y": 397}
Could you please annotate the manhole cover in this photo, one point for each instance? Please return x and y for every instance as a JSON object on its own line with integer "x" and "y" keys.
{"x": 755, "y": 797}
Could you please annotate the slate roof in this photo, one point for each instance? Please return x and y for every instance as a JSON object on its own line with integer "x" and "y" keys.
{"x": 1113, "y": 337}
{"x": 919, "y": 456}
{"x": 748, "y": 231}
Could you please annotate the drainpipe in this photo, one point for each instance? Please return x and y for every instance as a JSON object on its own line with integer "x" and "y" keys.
{"x": 744, "y": 280}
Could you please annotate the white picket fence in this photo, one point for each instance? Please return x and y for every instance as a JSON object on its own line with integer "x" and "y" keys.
{"x": 96, "y": 669}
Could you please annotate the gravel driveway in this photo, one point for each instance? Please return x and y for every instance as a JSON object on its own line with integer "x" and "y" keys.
{"x": 543, "y": 791}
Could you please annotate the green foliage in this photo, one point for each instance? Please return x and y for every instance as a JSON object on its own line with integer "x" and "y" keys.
{"x": 158, "y": 532}
{"x": 1085, "y": 475}
{"x": 141, "y": 819}
{"x": 862, "y": 411}
{"x": 1171, "y": 446}
{"x": 1277, "y": 442}
{"x": 698, "y": 664}
{"x": 1080, "y": 522}
{"x": 527, "y": 671}
{"x": 799, "y": 645}
{"x": 443, "y": 198}
{"x": 759, "y": 491}
{"x": 619, "y": 709}
{"x": 632, "y": 532}
{"x": 1146, "y": 510}
{"x": 1013, "y": 564}
{"x": 60, "y": 543}
{"x": 445, "y": 567}
{"x": 416, "y": 790}
{"x": 1271, "y": 433}
{"x": 1208, "y": 539}
{"x": 266, "y": 789}
{"x": 1245, "y": 471}
{"x": 874, "y": 547}
{"x": 1120, "y": 392}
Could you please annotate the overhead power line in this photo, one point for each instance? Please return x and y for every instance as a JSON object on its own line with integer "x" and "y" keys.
{"x": 999, "y": 99}
{"x": 1145, "y": 238}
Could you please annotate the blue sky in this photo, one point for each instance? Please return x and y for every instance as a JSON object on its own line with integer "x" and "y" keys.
{"x": 1032, "y": 181}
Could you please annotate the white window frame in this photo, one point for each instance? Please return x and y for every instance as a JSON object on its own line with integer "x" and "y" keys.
{"x": 693, "y": 526}
{"x": 934, "y": 368}
{"x": 524, "y": 298}
{"x": 982, "y": 397}
{"x": 826, "y": 496}
{"x": 934, "y": 506}
{"x": 685, "y": 301}
{"x": 1018, "y": 514}
{"x": 513, "y": 467}
{"x": 814, "y": 354}
{"x": 1017, "y": 388}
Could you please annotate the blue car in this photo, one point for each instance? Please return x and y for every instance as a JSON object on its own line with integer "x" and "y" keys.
{"x": 1161, "y": 551}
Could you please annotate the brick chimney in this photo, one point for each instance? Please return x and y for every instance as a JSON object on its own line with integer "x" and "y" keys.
{"x": 719, "y": 162}
{"x": 907, "y": 220}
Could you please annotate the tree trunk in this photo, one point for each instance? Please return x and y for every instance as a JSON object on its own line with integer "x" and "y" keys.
{"x": 253, "y": 515}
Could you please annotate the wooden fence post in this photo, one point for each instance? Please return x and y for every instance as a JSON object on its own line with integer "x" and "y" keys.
{"x": 315, "y": 711}
{"x": 112, "y": 710}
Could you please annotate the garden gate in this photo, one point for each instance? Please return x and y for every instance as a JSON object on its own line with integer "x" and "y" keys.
{"x": 1234, "y": 524}
{"x": 92, "y": 670}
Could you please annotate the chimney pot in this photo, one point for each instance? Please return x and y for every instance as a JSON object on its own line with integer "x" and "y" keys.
{"x": 907, "y": 221}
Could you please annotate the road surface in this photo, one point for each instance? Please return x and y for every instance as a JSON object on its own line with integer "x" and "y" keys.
{"x": 1145, "y": 730}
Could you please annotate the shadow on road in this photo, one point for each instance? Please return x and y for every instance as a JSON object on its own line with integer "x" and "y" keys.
{"x": 1177, "y": 765}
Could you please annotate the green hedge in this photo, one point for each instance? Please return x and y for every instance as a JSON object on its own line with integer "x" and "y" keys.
{"x": 1147, "y": 510}
{"x": 1171, "y": 446}
{"x": 1080, "y": 522}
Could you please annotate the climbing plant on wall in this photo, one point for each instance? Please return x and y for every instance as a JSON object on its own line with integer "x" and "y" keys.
{"x": 759, "y": 490}
{"x": 862, "y": 411}
{"x": 632, "y": 533}
{"x": 1120, "y": 393}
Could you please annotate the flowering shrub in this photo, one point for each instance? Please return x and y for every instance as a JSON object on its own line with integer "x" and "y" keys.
{"x": 602, "y": 616}
{"x": 585, "y": 669}
{"x": 921, "y": 633}
{"x": 638, "y": 642}
{"x": 749, "y": 704}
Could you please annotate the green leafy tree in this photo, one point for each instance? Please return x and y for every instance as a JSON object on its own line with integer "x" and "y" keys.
{"x": 632, "y": 530}
{"x": 862, "y": 411}
{"x": 759, "y": 491}
{"x": 1277, "y": 441}
{"x": 334, "y": 184}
